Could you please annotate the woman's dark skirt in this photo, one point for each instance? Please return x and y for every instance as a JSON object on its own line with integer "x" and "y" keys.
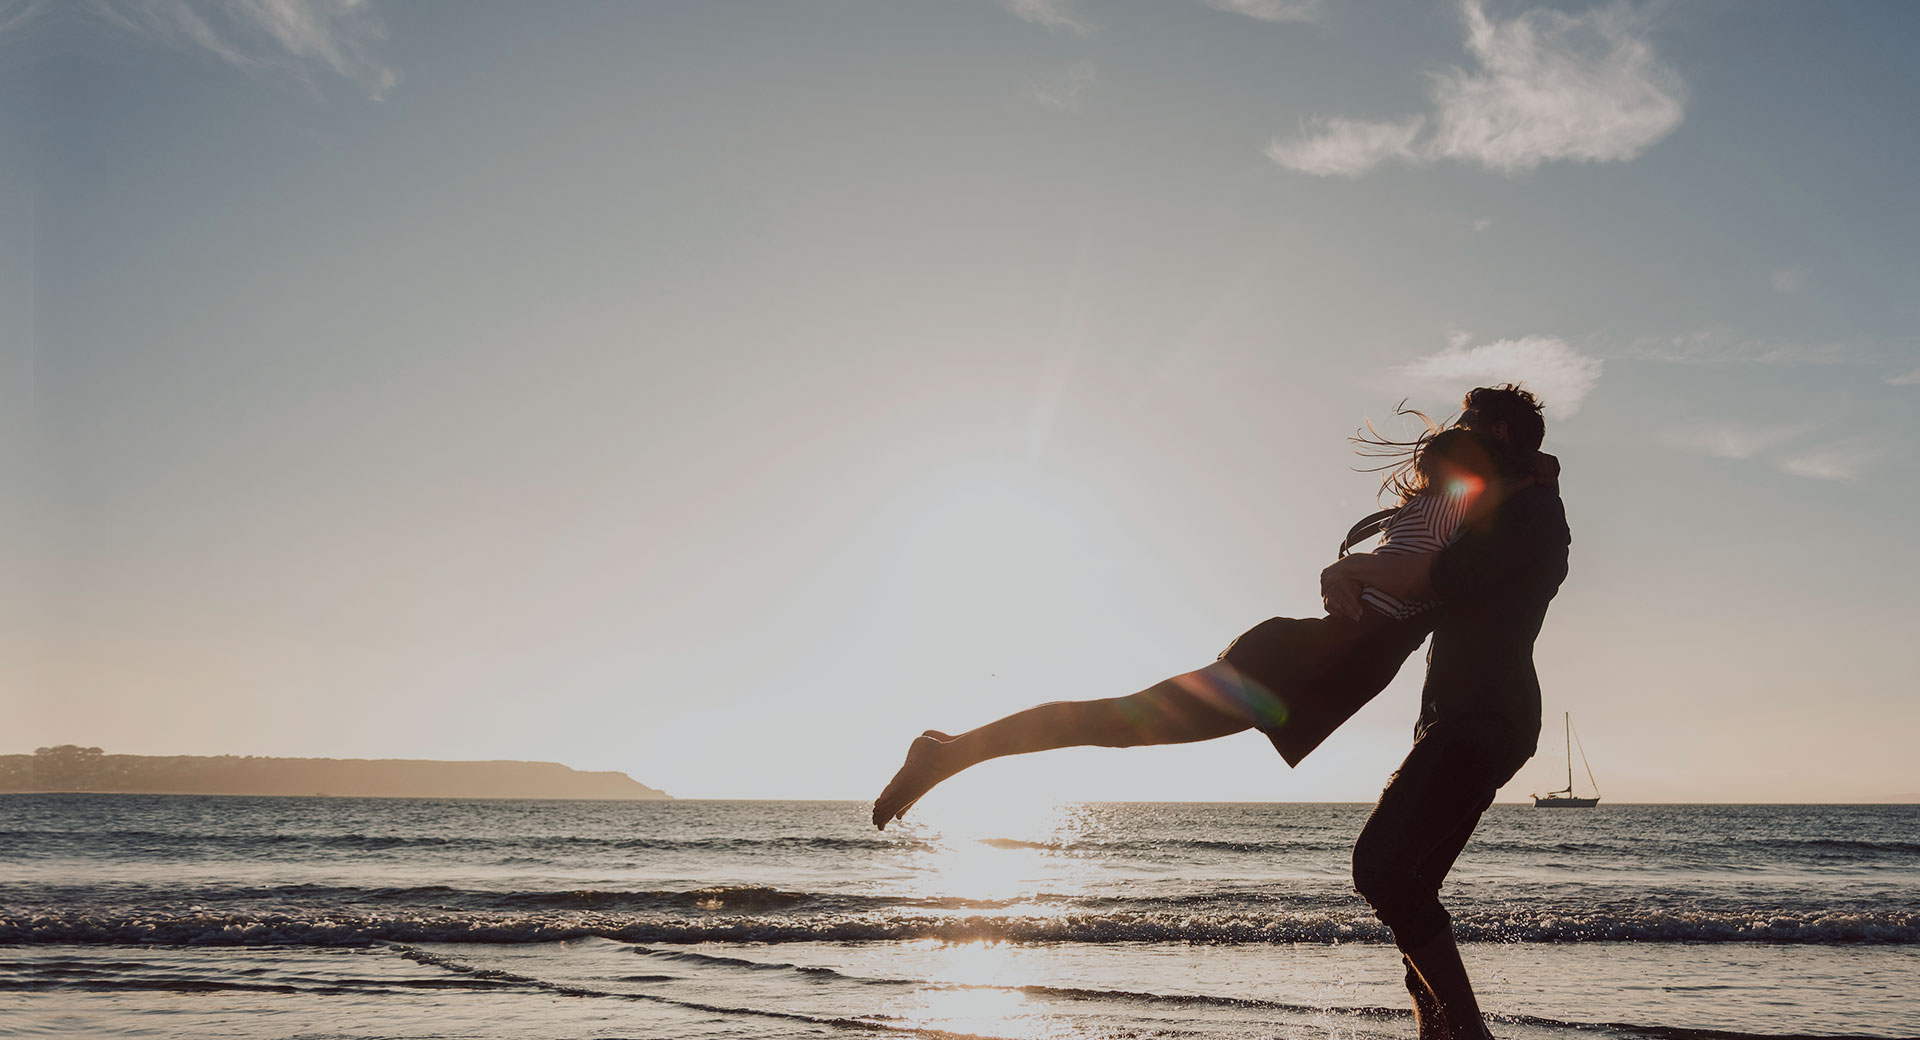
{"x": 1307, "y": 676}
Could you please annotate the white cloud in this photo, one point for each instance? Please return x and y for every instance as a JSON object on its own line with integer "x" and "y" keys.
{"x": 291, "y": 36}
{"x": 1054, "y": 14}
{"x": 1067, "y": 91}
{"x": 1546, "y": 87}
{"x": 1559, "y": 374}
{"x": 1552, "y": 86}
{"x": 1905, "y": 378}
{"x": 1845, "y": 460}
{"x": 1335, "y": 147}
{"x": 1272, "y": 10}
{"x": 1789, "y": 279}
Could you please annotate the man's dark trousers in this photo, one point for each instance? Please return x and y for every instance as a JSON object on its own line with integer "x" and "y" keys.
{"x": 1479, "y": 713}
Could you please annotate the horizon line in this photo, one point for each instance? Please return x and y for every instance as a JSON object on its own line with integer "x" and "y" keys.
{"x": 1895, "y": 800}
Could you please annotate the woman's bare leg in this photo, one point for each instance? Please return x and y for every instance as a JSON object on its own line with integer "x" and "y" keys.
{"x": 1199, "y": 705}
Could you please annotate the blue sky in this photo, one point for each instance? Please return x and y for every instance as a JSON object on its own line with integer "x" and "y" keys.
{"x": 724, "y": 393}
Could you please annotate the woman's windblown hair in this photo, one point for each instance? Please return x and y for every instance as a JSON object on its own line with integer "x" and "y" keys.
{"x": 1412, "y": 467}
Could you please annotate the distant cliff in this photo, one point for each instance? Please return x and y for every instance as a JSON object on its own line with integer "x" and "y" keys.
{"x": 73, "y": 768}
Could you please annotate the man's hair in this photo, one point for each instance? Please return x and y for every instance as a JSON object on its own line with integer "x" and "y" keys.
{"x": 1509, "y": 403}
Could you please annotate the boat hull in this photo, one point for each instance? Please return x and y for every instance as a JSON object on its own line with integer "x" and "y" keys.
{"x": 1564, "y": 803}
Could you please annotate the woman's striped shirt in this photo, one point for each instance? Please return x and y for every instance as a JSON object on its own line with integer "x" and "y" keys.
{"x": 1424, "y": 525}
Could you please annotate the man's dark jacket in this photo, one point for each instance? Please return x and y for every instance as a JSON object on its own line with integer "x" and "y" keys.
{"x": 1494, "y": 583}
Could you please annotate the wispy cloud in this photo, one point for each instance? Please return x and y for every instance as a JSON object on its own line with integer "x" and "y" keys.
{"x": 1545, "y": 87}
{"x": 1845, "y": 460}
{"x": 1561, "y": 375}
{"x": 1272, "y": 10}
{"x": 19, "y": 14}
{"x": 1335, "y": 147}
{"x": 1734, "y": 442}
{"x": 1067, "y": 92}
{"x": 1706, "y": 348}
{"x": 1721, "y": 346}
{"x": 294, "y": 37}
{"x": 1789, "y": 279}
{"x": 1054, "y": 14}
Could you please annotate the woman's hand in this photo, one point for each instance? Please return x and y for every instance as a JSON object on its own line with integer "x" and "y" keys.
{"x": 1341, "y": 585}
{"x": 1401, "y": 575}
{"x": 1546, "y": 471}
{"x": 1341, "y": 596}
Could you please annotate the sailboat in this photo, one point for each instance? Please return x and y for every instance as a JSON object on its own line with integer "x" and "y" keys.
{"x": 1565, "y": 799}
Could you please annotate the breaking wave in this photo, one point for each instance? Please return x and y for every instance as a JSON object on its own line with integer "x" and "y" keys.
{"x": 329, "y": 928}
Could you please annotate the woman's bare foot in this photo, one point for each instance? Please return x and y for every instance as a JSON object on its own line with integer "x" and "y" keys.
{"x": 925, "y": 767}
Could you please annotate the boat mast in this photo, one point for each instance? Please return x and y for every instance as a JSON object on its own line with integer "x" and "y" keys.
{"x": 1569, "y": 720}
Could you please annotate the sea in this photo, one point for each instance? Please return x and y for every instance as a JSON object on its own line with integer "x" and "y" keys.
{"x": 176, "y": 916}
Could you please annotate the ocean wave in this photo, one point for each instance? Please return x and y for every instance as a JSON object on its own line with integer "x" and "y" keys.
{"x": 1900, "y": 927}
{"x": 165, "y": 846}
{"x": 732, "y": 898}
{"x": 180, "y": 984}
{"x": 1585, "y": 901}
{"x": 1679, "y": 852}
{"x": 322, "y": 898}
{"x": 717, "y": 897}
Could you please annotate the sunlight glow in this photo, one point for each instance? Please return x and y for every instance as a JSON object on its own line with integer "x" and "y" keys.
{"x": 983, "y": 1011}
{"x": 987, "y": 545}
{"x": 997, "y": 850}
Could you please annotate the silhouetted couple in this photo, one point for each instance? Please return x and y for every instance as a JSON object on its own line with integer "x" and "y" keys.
{"x": 1473, "y": 555}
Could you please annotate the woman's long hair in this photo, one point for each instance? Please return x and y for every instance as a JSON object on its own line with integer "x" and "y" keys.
{"x": 1412, "y": 467}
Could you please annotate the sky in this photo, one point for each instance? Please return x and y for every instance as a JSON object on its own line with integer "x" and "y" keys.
{"x": 724, "y": 393}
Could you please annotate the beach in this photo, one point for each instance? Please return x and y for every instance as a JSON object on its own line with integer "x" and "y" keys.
{"x": 227, "y": 916}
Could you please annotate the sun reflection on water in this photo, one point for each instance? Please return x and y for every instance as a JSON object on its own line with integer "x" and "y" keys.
{"x": 988, "y": 1002}
{"x": 994, "y": 858}
{"x": 1000, "y": 851}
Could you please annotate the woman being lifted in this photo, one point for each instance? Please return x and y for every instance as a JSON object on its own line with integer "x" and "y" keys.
{"x": 1294, "y": 679}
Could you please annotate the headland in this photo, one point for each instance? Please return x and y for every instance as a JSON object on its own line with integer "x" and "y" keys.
{"x": 71, "y": 768}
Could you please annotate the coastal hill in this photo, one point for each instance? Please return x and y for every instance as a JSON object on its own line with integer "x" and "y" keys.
{"x": 70, "y": 768}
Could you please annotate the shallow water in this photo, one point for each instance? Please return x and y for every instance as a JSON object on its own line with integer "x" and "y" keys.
{"x": 181, "y": 916}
